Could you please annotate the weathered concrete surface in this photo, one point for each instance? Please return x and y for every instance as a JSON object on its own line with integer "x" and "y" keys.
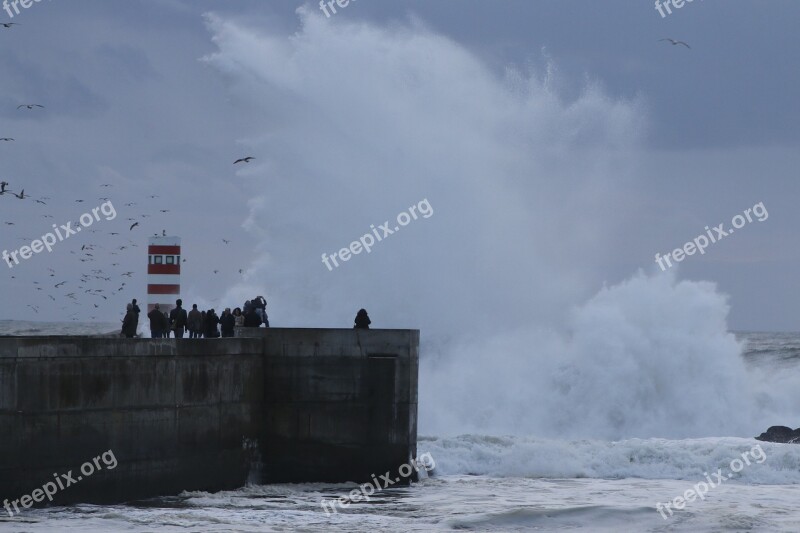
{"x": 276, "y": 405}
{"x": 338, "y": 404}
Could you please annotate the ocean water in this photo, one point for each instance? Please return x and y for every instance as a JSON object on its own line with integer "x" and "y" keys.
{"x": 504, "y": 482}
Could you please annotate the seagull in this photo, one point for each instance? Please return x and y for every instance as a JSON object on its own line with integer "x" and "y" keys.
{"x": 3, "y": 185}
{"x": 21, "y": 195}
{"x": 674, "y": 42}
{"x": 29, "y": 106}
{"x": 57, "y": 285}
{"x": 226, "y": 241}
{"x": 244, "y": 160}
{"x": 133, "y": 226}
{"x": 6, "y": 139}
{"x": 8, "y": 24}
{"x": 40, "y": 202}
{"x": 165, "y": 210}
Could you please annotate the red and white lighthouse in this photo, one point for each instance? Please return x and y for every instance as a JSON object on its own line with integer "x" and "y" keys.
{"x": 163, "y": 272}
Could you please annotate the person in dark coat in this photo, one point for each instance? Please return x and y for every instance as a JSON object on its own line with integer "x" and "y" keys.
{"x": 158, "y": 323}
{"x": 130, "y": 323}
{"x": 178, "y": 319}
{"x": 211, "y": 324}
{"x": 362, "y": 320}
{"x": 195, "y": 323}
{"x": 135, "y": 307}
{"x": 251, "y": 319}
{"x": 227, "y": 322}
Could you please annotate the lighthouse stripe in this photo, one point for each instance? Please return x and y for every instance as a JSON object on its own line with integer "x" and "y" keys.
{"x": 163, "y": 289}
{"x": 163, "y": 250}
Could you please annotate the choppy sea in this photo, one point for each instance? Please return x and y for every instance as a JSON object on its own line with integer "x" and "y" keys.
{"x": 499, "y": 483}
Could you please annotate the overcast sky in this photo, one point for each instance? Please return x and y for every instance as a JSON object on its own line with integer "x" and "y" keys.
{"x": 559, "y": 144}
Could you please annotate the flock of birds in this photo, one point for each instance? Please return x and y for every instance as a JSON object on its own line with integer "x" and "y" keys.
{"x": 83, "y": 298}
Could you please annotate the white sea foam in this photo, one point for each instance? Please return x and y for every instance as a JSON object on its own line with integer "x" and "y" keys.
{"x": 635, "y": 458}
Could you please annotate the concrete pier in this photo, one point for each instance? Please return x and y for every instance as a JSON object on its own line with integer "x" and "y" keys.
{"x": 271, "y": 405}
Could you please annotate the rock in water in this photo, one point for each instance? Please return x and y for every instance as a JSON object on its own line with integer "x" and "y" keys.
{"x": 781, "y": 434}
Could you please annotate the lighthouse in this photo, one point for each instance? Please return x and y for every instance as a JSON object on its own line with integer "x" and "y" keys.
{"x": 163, "y": 272}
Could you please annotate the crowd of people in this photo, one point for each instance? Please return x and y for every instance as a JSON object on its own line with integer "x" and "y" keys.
{"x": 206, "y": 324}
{"x": 198, "y": 324}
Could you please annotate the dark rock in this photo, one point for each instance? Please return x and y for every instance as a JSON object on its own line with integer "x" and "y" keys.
{"x": 781, "y": 434}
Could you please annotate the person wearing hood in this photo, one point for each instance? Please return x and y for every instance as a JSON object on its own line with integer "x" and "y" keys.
{"x": 130, "y": 323}
{"x": 362, "y": 320}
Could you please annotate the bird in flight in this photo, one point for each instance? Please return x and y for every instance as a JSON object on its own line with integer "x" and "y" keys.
{"x": 8, "y": 24}
{"x": 6, "y": 139}
{"x": 29, "y": 106}
{"x": 244, "y": 160}
{"x": 21, "y": 195}
{"x": 226, "y": 241}
{"x": 40, "y": 202}
{"x": 133, "y": 226}
{"x": 674, "y": 42}
{"x": 57, "y": 285}
{"x": 3, "y": 185}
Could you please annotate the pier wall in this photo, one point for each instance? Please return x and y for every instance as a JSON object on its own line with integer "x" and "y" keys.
{"x": 271, "y": 405}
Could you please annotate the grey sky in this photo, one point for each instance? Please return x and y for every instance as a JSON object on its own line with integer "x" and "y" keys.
{"x": 560, "y": 144}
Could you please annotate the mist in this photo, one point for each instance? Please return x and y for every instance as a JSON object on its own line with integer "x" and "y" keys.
{"x": 355, "y": 123}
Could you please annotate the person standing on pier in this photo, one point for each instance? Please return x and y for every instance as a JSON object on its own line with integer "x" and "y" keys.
{"x": 130, "y": 323}
{"x": 362, "y": 320}
{"x": 177, "y": 319}
{"x": 158, "y": 323}
{"x": 195, "y": 323}
{"x": 227, "y": 322}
